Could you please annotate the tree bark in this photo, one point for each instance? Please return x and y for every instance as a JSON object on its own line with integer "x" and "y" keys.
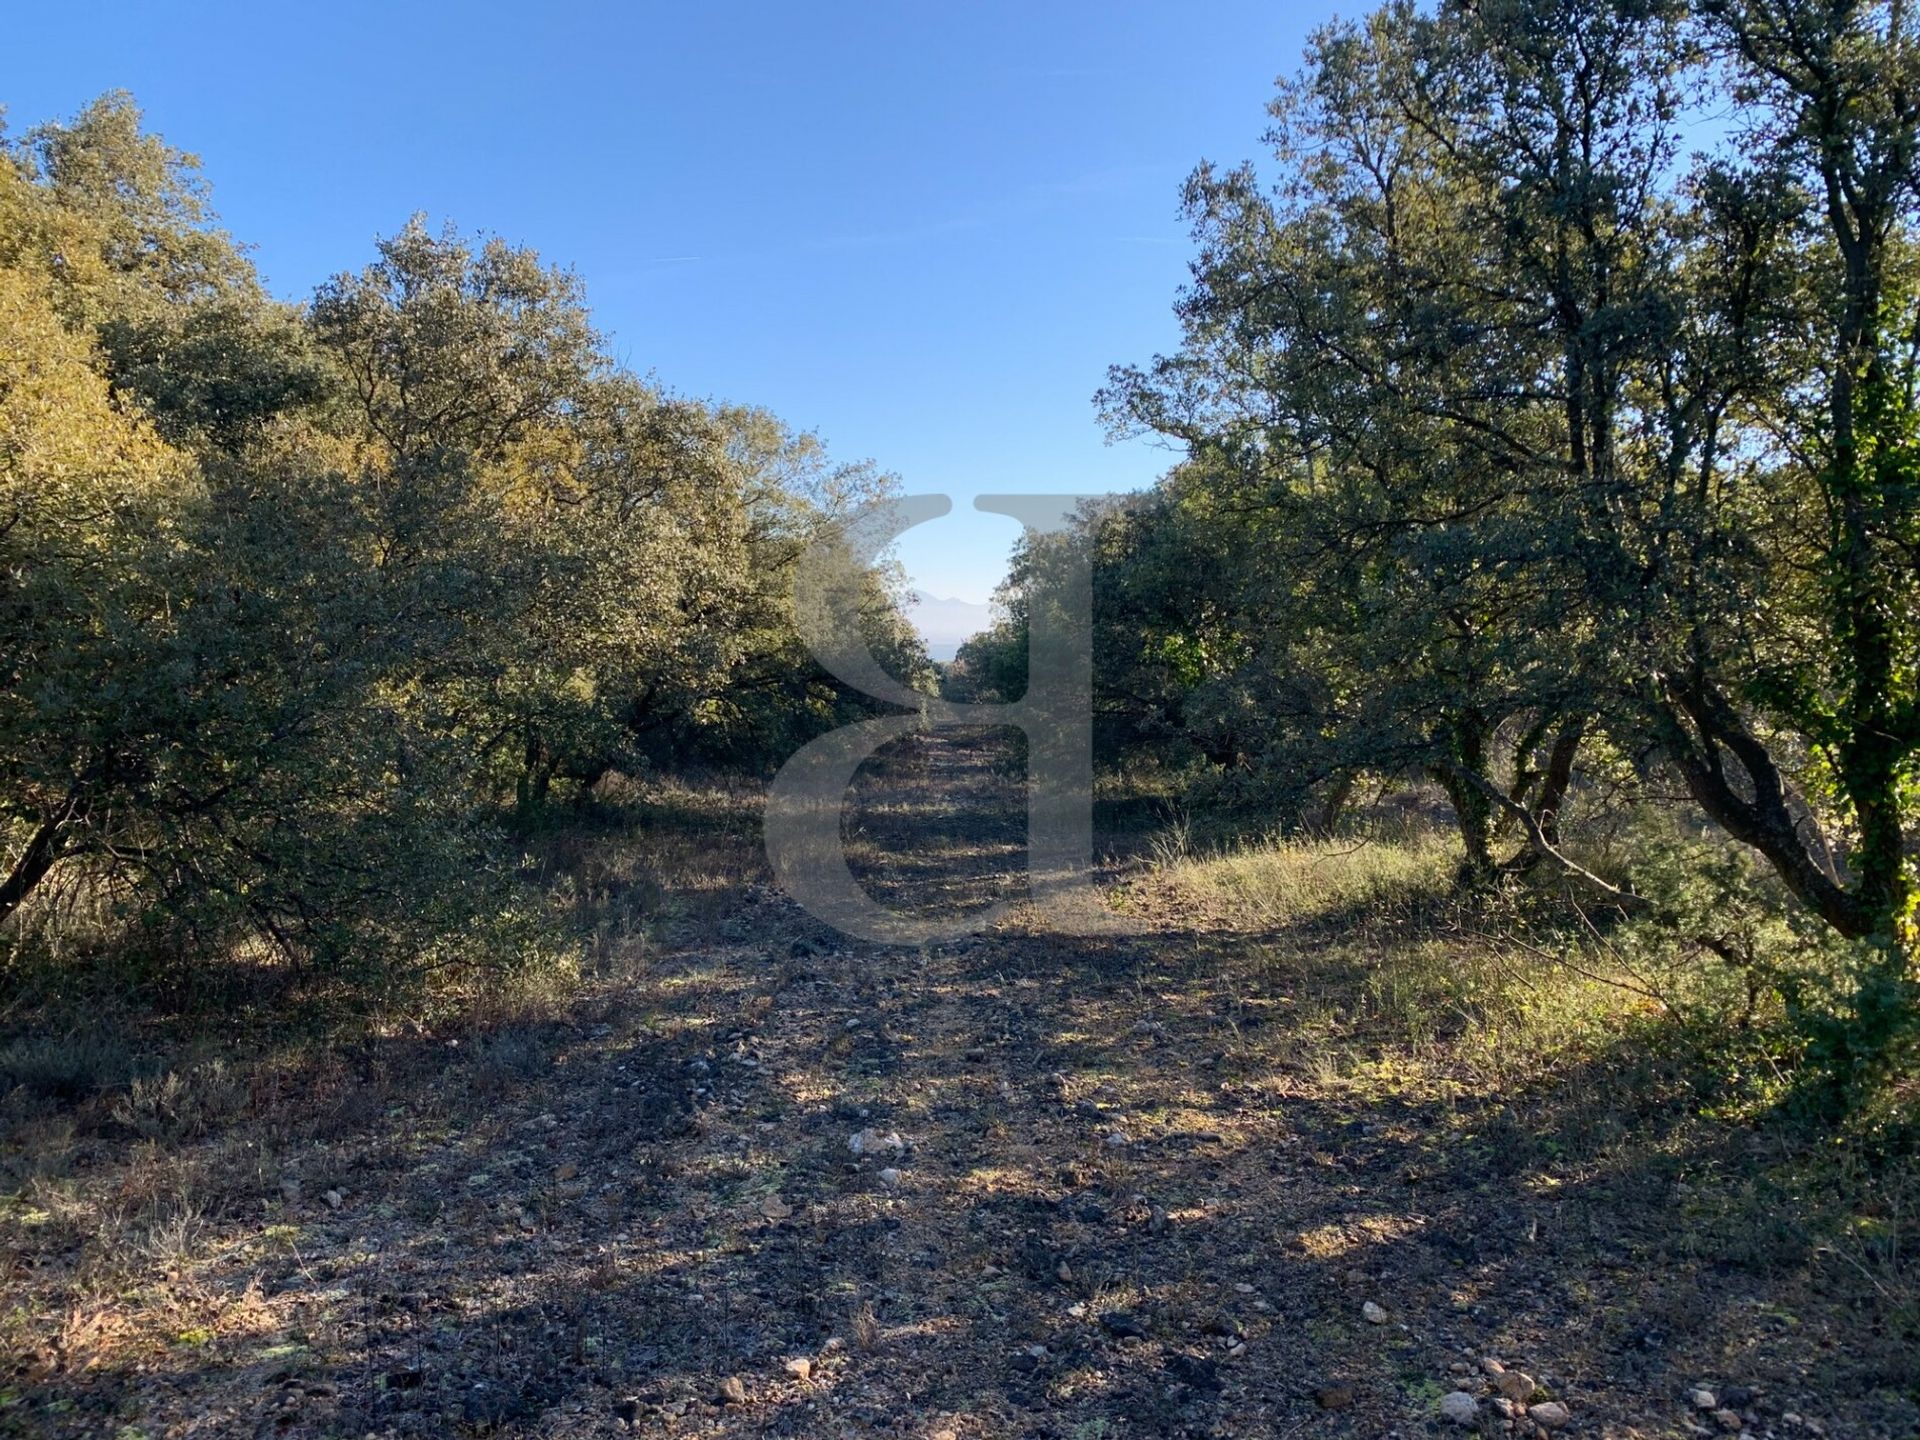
{"x": 43, "y": 852}
{"x": 1698, "y": 727}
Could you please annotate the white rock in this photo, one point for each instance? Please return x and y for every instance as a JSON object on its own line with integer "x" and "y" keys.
{"x": 1549, "y": 1415}
{"x": 872, "y": 1142}
{"x": 1373, "y": 1314}
{"x": 1117, "y": 1140}
{"x": 1459, "y": 1408}
{"x": 1703, "y": 1399}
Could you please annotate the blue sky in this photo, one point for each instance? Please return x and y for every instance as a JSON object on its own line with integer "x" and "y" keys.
{"x": 923, "y": 231}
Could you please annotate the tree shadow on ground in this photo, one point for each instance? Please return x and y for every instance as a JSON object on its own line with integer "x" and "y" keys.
{"x": 1106, "y": 1187}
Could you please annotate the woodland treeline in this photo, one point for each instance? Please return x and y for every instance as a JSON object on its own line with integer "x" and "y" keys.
{"x": 309, "y": 611}
{"x": 1548, "y": 435}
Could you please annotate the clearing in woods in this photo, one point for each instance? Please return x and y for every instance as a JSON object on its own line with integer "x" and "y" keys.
{"x": 1203, "y": 1181}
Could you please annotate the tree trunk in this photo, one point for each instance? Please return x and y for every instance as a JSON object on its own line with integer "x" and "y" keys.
{"x": 536, "y": 779}
{"x": 1333, "y": 804}
{"x": 43, "y": 852}
{"x": 1472, "y": 810}
{"x": 1558, "y": 778}
{"x": 1699, "y": 730}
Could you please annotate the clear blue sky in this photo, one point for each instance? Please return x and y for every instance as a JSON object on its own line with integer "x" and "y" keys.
{"x": 922, "y": 230}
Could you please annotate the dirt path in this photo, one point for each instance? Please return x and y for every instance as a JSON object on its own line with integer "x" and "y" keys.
{"x": 1094, "y": 1195}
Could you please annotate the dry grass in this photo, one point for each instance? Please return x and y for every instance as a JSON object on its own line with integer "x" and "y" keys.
{"x": 1285, "y": 881}
{"x": 1393, "y": 988}
{"x": 1389, "y": 974}
{"x": 1333, "y": 1083}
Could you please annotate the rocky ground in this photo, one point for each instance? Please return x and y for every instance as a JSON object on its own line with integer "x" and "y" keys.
{"x": 772, "y": 1182}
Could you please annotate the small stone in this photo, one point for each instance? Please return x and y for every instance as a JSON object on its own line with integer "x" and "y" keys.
{"x": 1117, "y": 1140}
{"x": 1373, "y": 1314}
{"x": 1459, "y": 1408}
{"x": 800, "y": 1368}
{"x": 1728, "y": 1420}
{"x": 1195, "y": 1371}
{"x": 1063, "y": 1272}
{"x": 290, "y": 1191}
{"x": 732, "y": 1391}
{"x": 1333, "y": 1397}
{"x": 1504, "y": 1407}
{"x": 872, "y": 1142}
{"x": 890, "y": 1176}
{"x": 775, "y": 1207}
{"x": 1703, "y": 1399}
{"x": 1549, "y": 1415}
{"x": 1516, "y": 1385}
{"x": 335, "y": 1199}
{"x": 1491, "y": 1366}
{"x": 1123, "y": 1325}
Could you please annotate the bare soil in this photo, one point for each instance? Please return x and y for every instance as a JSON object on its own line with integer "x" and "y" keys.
{"x": 1120, "y": 1204}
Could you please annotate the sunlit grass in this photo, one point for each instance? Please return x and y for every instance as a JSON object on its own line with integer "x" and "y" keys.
{"x": 1394, "y": 981}
{"x": 1288, "y": 880}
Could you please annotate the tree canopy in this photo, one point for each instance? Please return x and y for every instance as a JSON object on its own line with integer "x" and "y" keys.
{"x": 1545, "y": 446}
{"x": 309, "y": 609}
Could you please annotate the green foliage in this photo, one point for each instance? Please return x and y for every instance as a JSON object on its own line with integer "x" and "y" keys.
{"x": 305, "y": 611}
{"x": 1513, "y": 439}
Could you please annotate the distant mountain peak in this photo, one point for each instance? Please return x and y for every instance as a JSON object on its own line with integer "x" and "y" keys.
{"x": 945, "y": 623}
